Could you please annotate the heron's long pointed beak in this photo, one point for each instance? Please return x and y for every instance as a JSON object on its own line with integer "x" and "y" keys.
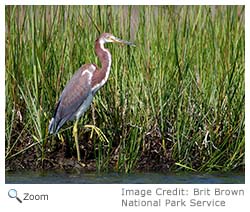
{"x": 118, "y": 40}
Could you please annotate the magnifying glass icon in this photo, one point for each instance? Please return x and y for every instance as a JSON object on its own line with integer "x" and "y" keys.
{"x": 13, "y": 194}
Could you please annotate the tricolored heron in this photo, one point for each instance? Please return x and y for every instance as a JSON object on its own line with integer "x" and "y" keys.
{"x": 78, "y": 93}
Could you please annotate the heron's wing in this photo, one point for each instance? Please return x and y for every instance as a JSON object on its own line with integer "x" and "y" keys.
{"x": 73, "y": 96}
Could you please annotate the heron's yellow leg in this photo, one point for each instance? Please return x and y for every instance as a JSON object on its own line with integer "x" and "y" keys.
{"x": 75, "y": 134}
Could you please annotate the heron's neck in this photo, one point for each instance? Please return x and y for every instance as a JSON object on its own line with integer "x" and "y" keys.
{"x": 104, "y": 55}
{"x": 101, "y": 76}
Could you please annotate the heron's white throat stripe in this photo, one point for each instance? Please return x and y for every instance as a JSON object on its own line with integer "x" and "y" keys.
{"x": 99, "y": 85}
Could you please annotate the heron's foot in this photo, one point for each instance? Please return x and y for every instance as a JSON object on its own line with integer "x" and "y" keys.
{"x": 60, "y": 138}
{"x": 81, "y": 164}
{"x": 98, "y": 131}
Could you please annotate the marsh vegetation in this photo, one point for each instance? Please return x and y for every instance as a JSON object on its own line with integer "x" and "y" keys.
{"x": 175, "y": 102}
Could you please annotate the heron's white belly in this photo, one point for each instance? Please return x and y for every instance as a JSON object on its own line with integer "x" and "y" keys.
{"x": 85, "y": 105}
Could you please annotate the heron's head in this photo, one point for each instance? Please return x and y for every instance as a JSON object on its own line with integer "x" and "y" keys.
{"x": 109, "y": 38}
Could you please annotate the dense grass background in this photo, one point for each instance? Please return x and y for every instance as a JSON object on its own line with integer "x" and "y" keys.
{"x": 178, "y": 97}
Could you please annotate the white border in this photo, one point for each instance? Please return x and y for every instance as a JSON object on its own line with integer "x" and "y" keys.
{"x": 105, "y": 197}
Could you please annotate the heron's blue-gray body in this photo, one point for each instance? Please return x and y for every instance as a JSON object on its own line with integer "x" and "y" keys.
{"x": 75, "y": 98}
